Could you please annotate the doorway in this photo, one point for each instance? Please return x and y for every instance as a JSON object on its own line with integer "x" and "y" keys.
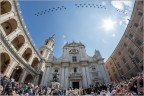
{"x": 75, "y": 85}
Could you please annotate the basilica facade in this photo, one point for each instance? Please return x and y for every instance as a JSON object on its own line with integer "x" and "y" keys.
{"x": 74, "y": 68}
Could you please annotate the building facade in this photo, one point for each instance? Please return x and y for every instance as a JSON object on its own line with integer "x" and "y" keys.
{"x": 75, "y": 68}
{"x": 19, "y": 58}
{"x": 127, "y": 59}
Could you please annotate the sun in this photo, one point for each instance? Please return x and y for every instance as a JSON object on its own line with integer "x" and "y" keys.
{"x": 109, "y": 24}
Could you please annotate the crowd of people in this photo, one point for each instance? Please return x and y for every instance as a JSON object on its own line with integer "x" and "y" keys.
{"x": 131, "y": 87}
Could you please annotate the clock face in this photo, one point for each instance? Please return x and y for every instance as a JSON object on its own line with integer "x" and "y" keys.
{"x": 73, "y": 51}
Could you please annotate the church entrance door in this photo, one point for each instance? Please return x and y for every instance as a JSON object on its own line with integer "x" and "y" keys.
{"x": 75, "y": 85}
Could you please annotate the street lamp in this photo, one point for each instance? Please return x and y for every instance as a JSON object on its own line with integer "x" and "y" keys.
{"x": 15, "y": 69}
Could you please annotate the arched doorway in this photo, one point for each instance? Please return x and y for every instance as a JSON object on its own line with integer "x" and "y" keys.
{"x": 35, "y": 63}
{"x": 27, "y": 54}
{"x": 16, "y": 73}
{"x": 5, "y": 61}
{"x": 18, "y": 42}
{"x": 9, "y": 26}
{"x": 5, "y": 7}
{"x": 29, "y": 78}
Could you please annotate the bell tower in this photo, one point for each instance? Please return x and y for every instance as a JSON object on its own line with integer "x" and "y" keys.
{"x": 47, "y": 48}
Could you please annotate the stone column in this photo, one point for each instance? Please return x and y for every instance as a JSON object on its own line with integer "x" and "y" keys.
{"x": 66, "y": 77}
{"x": 6, "y": 16}
{"x": 31, "y": 59}
{"x": 23, "y": 75}
{"x": 12, "y": 35}
{"x": 36, "y": 78}
{"x": 10, "y": 68}
{"x": 22, "y": 49}
{"x": 80, "y": 84}
{"x": 84, "y": 79}
{"x": 44, "y": 53}
{"x": 48, "y": 76}
{"x": 62, "y": 77}
{"x": 88, "y": 76}
{"x": 43, "y": 77}
{"x": 70, "y": 84}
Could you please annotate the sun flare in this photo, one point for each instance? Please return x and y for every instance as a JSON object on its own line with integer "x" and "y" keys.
{"x": 109, "y": 24}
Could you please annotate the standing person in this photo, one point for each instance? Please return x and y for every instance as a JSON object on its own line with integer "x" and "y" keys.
{"x": 140, "y": 84}
{"x": 1, "y": 89}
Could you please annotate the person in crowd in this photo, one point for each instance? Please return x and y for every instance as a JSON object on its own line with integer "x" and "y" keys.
{"x": 126, "y": 87}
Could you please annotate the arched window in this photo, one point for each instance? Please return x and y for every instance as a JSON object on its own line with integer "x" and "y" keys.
{"x": 18, "y": 42}
{"x": 9, "y": 26}
{"x": 5, "y": 61}
{"x": 35, "y": 63}
{"x": 5, "y": 7}
{"x": 27, "y": 54}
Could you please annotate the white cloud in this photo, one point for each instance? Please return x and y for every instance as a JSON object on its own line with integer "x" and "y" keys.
{"x": 121, "y": 4}
{"x": 126, "y": 19}
{"x": 103, "y": 3}
{"x": 120, "y": 22}
{"x": 113, "y": 35}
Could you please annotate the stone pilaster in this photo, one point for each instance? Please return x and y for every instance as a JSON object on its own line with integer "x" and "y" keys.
{"x": 10, "y": 69}
{"x": 6, "y": 16}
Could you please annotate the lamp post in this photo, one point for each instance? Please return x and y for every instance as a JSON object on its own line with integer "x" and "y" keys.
{"x": 15, "y": 69}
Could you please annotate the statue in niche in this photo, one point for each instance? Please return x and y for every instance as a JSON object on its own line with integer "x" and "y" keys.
{"x": 55, "y": 78}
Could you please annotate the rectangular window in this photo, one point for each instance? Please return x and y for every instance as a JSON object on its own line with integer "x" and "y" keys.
{"x": 114, "y": 58}
{"x": 137, "y": 60}
{"x": 135, "y": 24}
{"x": 113, "y": 69}
{"x": 74, "y": 59}
{"x": 75, "y": 70}
{"x": 119, "y": 53}
{"x": 56, "y": 70}
{"x": 115, "y": 76}
{"x": 125, "y": 44}
{"x": 140, "y": 13}
{"x": 123, "y": 59}
{"x": 130, "y": 35}
{"x": 131, "y": 52}
{"x": 121, "y": 71}
{"x": 139, "y": 42}
{"x": 128, "y": 67}
{"x": 118, "y": 64}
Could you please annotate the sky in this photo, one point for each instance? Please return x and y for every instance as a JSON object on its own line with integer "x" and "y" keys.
{"x": 98, "y": 24}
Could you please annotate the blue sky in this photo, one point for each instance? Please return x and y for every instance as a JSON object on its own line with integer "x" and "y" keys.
{"x": 96, "y": 27}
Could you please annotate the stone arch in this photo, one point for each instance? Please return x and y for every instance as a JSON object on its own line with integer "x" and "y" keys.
{"x": 16, "y": 73}
{"x": 9, "y": 26}
{"x": 27, "y": 54}
{"x": 5, "y": 61}
{"x": 5, "y": 7}
{"x": 18, "y": 42}
{"x": 35, "y": 63}
{"x": 29, "y": 78}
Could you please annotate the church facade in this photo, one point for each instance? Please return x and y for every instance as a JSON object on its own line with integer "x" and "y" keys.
{"x": 74, "y": 68}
